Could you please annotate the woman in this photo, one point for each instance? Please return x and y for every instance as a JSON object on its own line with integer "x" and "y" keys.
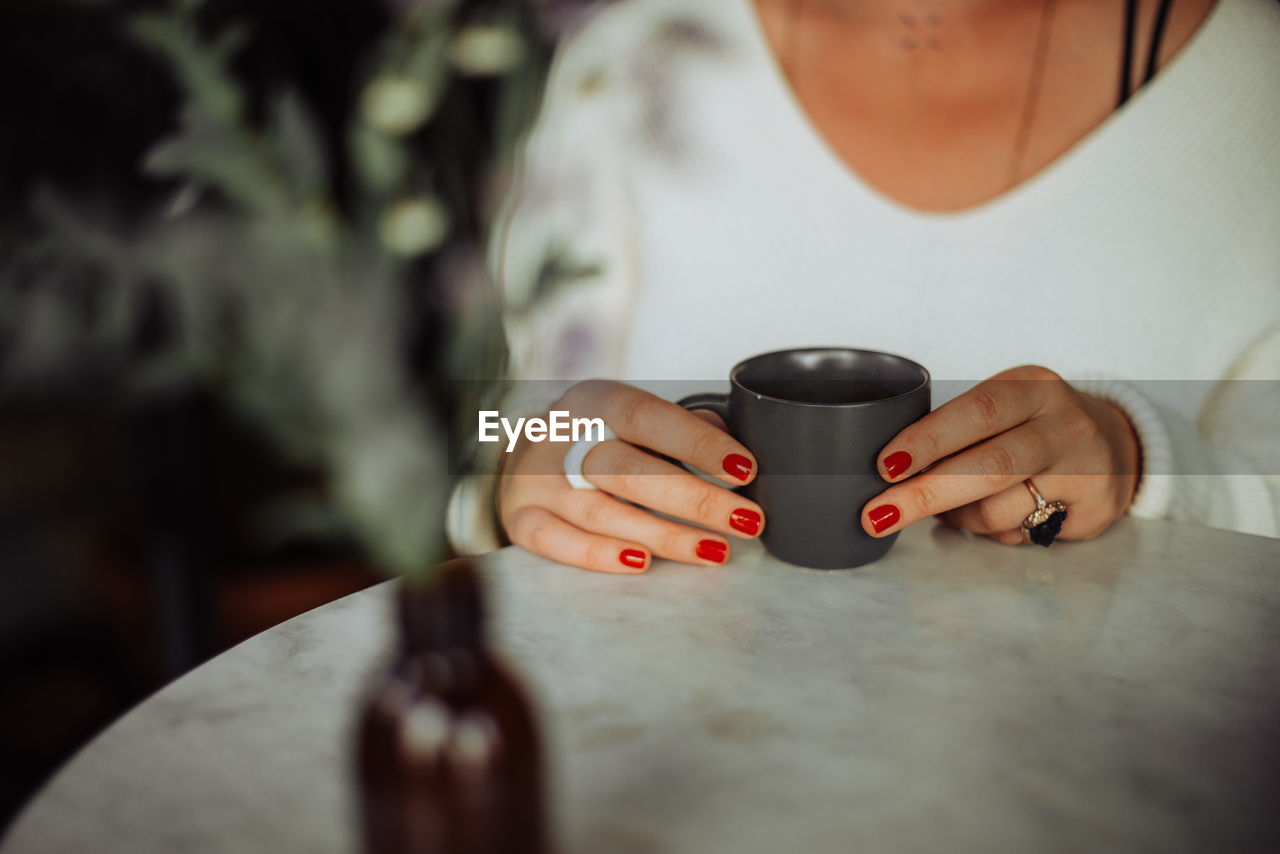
{"x": 977, "y": 184}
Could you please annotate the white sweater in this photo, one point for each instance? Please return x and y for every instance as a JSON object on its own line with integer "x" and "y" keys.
{"x": 1143, "y": 265}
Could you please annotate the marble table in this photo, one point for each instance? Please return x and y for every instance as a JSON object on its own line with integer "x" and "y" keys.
{"x": 1116, "y": 695}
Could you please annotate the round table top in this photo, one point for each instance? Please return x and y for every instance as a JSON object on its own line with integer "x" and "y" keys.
{"x": 1117, "y": 694}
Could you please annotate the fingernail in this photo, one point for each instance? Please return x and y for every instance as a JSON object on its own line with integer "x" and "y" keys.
{"x": 884, "y": 517}
{"x": 744, "y": 520}
{"x": 633, "y": 558}
{"x": 713, "y": 550}
{"x": 896, "y": 463}
{"x": 738, "y": 466}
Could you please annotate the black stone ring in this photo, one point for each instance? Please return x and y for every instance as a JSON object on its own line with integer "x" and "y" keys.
{"x": 1046, "y": 520}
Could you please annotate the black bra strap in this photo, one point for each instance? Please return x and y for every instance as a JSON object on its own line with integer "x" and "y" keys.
{"x": 1153, "y": 54}
{"x": 1126, "y": 61}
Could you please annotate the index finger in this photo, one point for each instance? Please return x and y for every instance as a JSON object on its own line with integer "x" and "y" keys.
{"x": 661, "y": 426}
{"x": 991, "y": 407}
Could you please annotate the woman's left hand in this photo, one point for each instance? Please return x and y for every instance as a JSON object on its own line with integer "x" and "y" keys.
{"x": 967, "y": 460}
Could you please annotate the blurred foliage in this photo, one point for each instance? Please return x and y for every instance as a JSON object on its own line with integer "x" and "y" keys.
{"x": 326, "y": 286}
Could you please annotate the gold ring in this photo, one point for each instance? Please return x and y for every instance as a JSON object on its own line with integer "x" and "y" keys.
{"x": 1046, "y": 520}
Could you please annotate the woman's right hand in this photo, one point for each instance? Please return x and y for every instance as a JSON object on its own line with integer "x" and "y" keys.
{"x": 611, "y": 529}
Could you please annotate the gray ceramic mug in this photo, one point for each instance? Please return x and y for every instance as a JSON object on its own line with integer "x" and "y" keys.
{"x": 816, "y": 419}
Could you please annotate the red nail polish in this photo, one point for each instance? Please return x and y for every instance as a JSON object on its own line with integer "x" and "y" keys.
{"x": 738, "y": 466}
{"x": 896, "y": 463}
{"x": 883, "y": 517}
{"x": 633, "y": 558}
{"x": 744, "y": 520}
{"x": 713, "y": 550}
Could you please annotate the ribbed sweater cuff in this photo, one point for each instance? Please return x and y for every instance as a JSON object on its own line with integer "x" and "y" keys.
{"x": 471, "y": 521}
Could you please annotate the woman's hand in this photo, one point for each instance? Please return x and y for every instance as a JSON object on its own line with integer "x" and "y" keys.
{"x": 967, "y": 460}
{"x": 603, "y": 529}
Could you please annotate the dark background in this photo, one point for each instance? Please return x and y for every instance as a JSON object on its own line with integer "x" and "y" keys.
{"x": 124, "y": 557}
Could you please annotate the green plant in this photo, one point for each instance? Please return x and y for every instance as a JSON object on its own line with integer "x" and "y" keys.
{"x": 292, "y": 299}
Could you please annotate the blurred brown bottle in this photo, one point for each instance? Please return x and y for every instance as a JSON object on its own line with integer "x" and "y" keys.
{"x": 449, "y": 757}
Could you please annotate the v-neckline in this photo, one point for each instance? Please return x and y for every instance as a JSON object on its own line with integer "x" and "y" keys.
{"x": 1058, "y": 170}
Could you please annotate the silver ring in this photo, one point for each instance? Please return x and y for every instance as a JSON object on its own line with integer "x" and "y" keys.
{"x": 1046, "y": 520}
{"x": 577, "y": 453}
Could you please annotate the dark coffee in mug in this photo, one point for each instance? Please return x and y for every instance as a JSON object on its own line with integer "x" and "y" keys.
{"x": 816, "y": 419}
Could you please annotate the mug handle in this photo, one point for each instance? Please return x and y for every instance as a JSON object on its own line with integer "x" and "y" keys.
{"x": 717, "y": 402}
